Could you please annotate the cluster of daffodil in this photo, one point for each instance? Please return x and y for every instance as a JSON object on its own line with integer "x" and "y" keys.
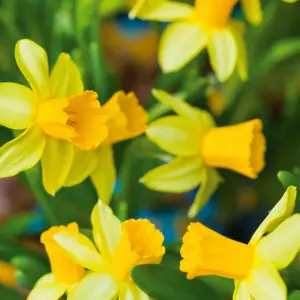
{"x": 85, "y": 271}
{"x": 65, "y": 127}
{"x": 206, "y": 25}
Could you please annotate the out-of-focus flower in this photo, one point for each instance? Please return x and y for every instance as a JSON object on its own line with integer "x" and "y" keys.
{"x": 127, "y": 119}
{"x": 56, "y": 114}
{"x": 66, "y": 274}
{"x": 199, "y": 148}
{"x": 215, "y": 101}
{"x": 254, "y": 266}
{"x": 7, "y": 274}
{"x": 207, "y": 25}
{"x": 121, "y": 247}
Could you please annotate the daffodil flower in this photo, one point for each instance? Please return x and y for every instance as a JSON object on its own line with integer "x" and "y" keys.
{"x": 120, "y": 246}
{"x": 66, "y": 274}
{"x": 199, "y": 148}
{"x": 56, "y": 114}
{"x": 254, "y": 266}
{"x": 127, "y": 119}
{"x": 206, "y": 25}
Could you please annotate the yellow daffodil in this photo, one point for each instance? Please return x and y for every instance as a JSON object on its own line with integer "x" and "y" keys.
{"x": 199, "y": 148}
{"x": 66, "y": 274}
{"x": 8, "y": 274}
{"x": 254, "y": 266}
{"x": 253, "y": 10}
{"x": 127, "y": 119}
{"x": 56, "y": 114}
{"x": 121, "y": 246}
{"x": 206, "y": 25}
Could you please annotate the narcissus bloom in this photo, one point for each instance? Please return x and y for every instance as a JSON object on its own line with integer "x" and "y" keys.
{"x": 66, "y": 274}
{"x": 121, "y": 246}
{"x": 254, "y": 266}
{"x": 127, "y": 119}
{"x": 206, "y": 25}
{"x": 56, "y": 114}
{"x": 199, "y": 148}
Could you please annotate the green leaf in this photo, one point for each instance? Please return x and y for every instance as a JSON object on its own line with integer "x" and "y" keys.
{"x": 72, "y": 204}
{"x": 286, "y": 178}
{"x": 162, "y": 283}
{"x": 223, "y": 286}
{"x": 295, "y": 295}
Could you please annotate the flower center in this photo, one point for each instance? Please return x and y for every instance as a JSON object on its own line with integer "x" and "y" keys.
{"x": 214, "y": 13}
{"x": 63, "y": 268}
{"x": 240, "y": 148}
{"x": 79, "y": 119}
{"x": 205, "y": 252}
{"x": 140, "y": 243}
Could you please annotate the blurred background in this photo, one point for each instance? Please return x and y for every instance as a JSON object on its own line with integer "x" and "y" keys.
{"x": 115, "y": 53}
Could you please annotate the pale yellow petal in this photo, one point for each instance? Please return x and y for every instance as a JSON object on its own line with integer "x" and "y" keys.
{"x": 106, "y": 228}
{"x": 32, "y": 60}
{"x": 56, "y": 163}
{"x": 160, "y": 10}
{"x": 47, "y": 289}
{"x": 65, "y": 77}
{"x": 80, "y": 249}
{"x": 209, "y": 182}
{"x": 252, "y": 10}
{"x": 282, "y": 210}
{"x": 129, "y": 291}
{"x": 176, "y": 135}
{"x": 182, "y": 108}
{"x": 180, "y": 175}
{"x": 84, "y": 163}
{"x": 281, "y": 245}
{"x": 22, "y": 153}
{"x": 179, "y": 44}
{"x": 241, "y": 291}
{"x": 223, "y": 53}
{"x": 266, "y": 283}
{"x": 17, "y": 105}
{"x": 104, "y": 175}
{"x": 96, "y": 286}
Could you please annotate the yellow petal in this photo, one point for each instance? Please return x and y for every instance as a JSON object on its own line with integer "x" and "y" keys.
{"x": 32, "y": 60}
{"x": 56, "y": 164}
{"x": 180, "y": 175}
{"x": 106, "y": 228}
{"x": 237, "y": 29}
{"x": 209, "y": 182}
{"x": 266, "y": 283}
{"x": 22, "y": 153}
{"x": 104, "y": 176}
{"x": 47, "y": 289}
{"x": 223, "y": 53}
{"x": 281, "y": 245}
{"x": 176, "y": 135}
{"x": 290, "y": 1}
{"x": 96, "y": 286}
{"x": 241, "y": 291}
{"x": 160, "y": 10}
{"x": 65, "y": 77}
{"x": 182, "y": 108}
{"x": 17, "y": 105}
{"x": 252, "y": 10}
{"x": 179, "y": 44}
{"x": 129, "y": 291}
{"x": 80, "y": 249}
{"x": 84, "y": 163}
{"x": 282, "y": 210}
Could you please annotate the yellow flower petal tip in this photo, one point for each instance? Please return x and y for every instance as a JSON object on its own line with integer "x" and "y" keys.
{"x": 127, "y": 118}
{"x": 140, "y": 243}
{"x": 240, "y": 148}
{"x": 63, "y": 268}
{"x": 253, "y": 11}
{"x": 78, "y": 119}
{"x": 205, "y": 252}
